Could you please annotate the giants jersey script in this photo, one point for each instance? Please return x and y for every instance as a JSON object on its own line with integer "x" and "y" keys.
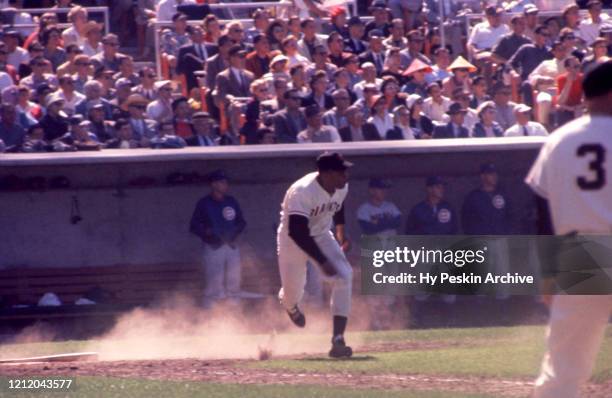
{"x": 574, "y": 173}
{"x": 306, "y": 197}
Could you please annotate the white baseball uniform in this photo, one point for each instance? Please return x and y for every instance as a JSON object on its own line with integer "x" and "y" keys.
{"x": 574, "y": 173}
{"x": 306, "y": 197}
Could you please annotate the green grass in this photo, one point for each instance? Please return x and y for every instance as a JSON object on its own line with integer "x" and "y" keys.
{"x": 103, "y": 387}
{"x": 509, "y": 352}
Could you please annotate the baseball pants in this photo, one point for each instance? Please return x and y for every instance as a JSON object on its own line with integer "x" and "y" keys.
{"x": 292, "y": 265}
{"x": 221, "y": 272}
{"x": 575, "y": 332}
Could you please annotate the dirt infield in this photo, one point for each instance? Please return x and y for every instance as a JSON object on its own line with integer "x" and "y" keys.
{"x": 239, "y": 372}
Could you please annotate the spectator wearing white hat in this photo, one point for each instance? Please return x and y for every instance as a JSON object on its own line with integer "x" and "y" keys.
{"x": 525, "y": 127}
{"x": 54, "y": 123}
{"x": 161, "y": 108}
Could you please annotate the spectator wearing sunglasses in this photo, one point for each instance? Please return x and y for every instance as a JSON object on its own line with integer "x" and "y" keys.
{"x": 39, "y": 65}
{"x": 83, "y": 72}
{"x": 110, "y": 57}
{"x": 146, "y": 87}
{"x": 69, "y": 67}
{"x": 142, "y": 127}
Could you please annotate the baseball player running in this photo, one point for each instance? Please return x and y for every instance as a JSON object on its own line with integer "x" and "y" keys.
{"x": 572, "y": 173}
{"x": 310, "y": 206}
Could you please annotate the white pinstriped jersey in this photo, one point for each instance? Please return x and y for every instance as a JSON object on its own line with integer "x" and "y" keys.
{"x": 306, "y": 197}
{"x": 574, "y": 172}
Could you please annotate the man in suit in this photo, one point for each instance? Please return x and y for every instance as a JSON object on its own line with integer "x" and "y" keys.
{"x": 258, "y": 60}
{"x": 376, "y": 52}
{"x": 354, "y": 131}
{"x": 454, "y": 128}
{"x": 146, "y": 88}
{"x": 93, "y": 93}
{"x": 219, "y": 62}
{"x": 354, "y": 43}
{"x": 142, "y": 127}
{"x": 192, "y": 57}
{"x": 290, "y": 121}
{"x": 203, "y": 127}
{"x": 235, "y": 80}
{"x": 318, "y": 95}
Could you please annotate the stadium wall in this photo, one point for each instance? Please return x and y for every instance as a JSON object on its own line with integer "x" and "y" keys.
{"x": 127, "y": 224}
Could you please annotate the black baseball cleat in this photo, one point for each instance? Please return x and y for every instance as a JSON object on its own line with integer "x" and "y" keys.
{"x": 340, "y": 349}
{"x": 297, "y": 317}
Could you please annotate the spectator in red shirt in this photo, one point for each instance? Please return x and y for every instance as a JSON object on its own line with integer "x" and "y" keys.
{"x": 568, "y": 101}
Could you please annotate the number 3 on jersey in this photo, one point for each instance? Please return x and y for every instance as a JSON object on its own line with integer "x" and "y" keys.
{"x": 596, "y": 166}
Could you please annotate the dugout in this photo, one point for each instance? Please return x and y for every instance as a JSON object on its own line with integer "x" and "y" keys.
{"x": 134, "y": 207}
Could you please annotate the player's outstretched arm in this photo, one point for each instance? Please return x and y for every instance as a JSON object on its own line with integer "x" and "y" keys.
{"x": 300, "y": 233}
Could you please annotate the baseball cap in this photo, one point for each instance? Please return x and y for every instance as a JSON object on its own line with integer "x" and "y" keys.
{"x": 94, "y": 104}
{"x": 332, "y": 161}
{"x": 236, "y": 50}
{"x": 486, "y": 168}
{"x": 355, "y": 20}
{"x": 53, "y": 98}
{"x": 455, "y": 108}
{"x": 378, "y": 4}
{"x": 531, "y": 9}
{"x": 379, "y": 183}
{"x": 494, "y": 10}
{"x": 75, "y": 119}
{"x": 375, "y": 33}
{"x": 123, "y": 82}
{"x": 217, "y": 175}
{"x": 598, "y": 80}
{"x": 522, "y": 108}
{"x": 312, "y": 110}
{"x": 434, "y": 180}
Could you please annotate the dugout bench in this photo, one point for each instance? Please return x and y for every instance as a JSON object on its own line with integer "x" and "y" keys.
{"x": 117, "y": 289}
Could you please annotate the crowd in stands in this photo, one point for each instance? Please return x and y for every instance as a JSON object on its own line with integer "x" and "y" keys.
{"x": 314, "y": 74}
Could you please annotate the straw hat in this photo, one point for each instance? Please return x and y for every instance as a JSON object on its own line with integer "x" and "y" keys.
{"x": 416, "y": 66}
{"x": 462, "y": 63}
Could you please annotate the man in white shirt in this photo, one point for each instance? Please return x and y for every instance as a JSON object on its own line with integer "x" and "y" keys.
{"x": 68, "y": 94}
{"x": 436, "y": 105}
{"x": 486, "y": 34}
{"x": 167, "y": 8}
{"x": 310, "y": 207}
{"x": 543, "y": 79}
{"x": 16, "y": 54}
{"x": 316, "y": 131}
{"x": 161, "y": 109}
{"x": 589, "y": 28}
{"x": 569, "y": 178}
{"x": 369, "y": 76}
{"x": 525, "y": 127}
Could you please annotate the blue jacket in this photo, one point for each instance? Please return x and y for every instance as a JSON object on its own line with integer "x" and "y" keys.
{"x": 486, "y": 213}
{"x": 446, "y": 131}
{"x": 217, "y": 222}
{"x": 427, "y": 220}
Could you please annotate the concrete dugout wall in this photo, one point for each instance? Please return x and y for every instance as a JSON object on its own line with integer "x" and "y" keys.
{"x": 123, "y": 224}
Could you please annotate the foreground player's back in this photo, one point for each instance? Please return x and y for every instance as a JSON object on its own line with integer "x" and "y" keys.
{"x": 573, "y": 173}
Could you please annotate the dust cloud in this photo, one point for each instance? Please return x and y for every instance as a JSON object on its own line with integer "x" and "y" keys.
{"x": 179, "y": 329}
